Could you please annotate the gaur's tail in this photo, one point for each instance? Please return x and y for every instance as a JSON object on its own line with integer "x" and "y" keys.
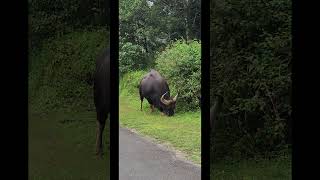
{"x": 138, "y": 85}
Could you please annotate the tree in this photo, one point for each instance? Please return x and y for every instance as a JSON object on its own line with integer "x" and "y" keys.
{"x": 155, "y": 23}
{"x": 55, "y": 18}
{"x": 250, "y": 65}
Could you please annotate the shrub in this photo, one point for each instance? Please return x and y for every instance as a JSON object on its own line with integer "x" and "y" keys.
{"x": 129, "y": 83}
{"x": 180, "y": 64}
{"x": 251, "y": 67}
{"x": 49, "y": 19}
{"x": 61, "y": 71}
{"x": 131, "y": 57}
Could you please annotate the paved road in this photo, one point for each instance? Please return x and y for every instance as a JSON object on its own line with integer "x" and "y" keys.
{"x": 140, "y": 159}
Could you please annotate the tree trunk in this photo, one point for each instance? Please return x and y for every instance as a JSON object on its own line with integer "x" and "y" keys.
{"x": 186, "y": 7}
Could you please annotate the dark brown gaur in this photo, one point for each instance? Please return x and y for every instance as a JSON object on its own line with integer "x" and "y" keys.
{"x": 101, "y": 90}
{"x": 155, "y": 89}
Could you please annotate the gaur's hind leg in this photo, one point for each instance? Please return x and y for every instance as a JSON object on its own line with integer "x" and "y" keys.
{"x": 101, "y": 121}
{"x": 151, "y": 104}
{"x": 152, "y": 107}
{"x": 141, "y": 98}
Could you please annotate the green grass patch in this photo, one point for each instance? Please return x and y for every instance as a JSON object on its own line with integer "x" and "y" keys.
{"x": 62, "y": 146}
{"x": 62, "y": 121}
{"x": 182, "y": 131}
{"x": 260, "y": 169}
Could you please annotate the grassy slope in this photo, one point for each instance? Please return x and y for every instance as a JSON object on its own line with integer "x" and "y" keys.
{"x": 61, "y": 146}
{"x": 62, "y": 127}
{"x": 262, "y": 169}
{"x": 182, "y": 131}
{"x": 61, "y": 71}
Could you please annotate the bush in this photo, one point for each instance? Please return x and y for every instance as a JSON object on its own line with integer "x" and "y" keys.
{"x": 61, "y": 71}
{"x": 131, "y": 57}
{"x": 50, "y": 19}
{"x": 180, "y": 64}
{"x": 129, "y": 83}
{"x": 251, "y": 67}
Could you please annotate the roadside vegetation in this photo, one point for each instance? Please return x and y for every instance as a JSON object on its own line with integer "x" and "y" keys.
{"x": 160, "y": 35}
{"x": 64, "y": 40}
{"x": 251, "y": 68}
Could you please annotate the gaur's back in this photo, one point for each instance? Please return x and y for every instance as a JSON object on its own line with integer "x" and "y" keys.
{"x": 153, "y": 82}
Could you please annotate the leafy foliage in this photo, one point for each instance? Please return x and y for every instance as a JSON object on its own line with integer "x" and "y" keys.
{"x": 180, "y": 63}
{"x": 55, "y": 18}
{"x": 154, "y": 24}
{"x": 153, "y": 33}
{"x": 251, "y": 68}
{"x": 131, "y": 57}
{"x": 129, "y": 83}
{"x": 61, "y": 72}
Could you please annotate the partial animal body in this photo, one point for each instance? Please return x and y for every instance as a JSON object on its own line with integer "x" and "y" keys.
{"x": 215, "y": 110}
{"x": 102, "y": 95}
{"x": 156, "y": 90}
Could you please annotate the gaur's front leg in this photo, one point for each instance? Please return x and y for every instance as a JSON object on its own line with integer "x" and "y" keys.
{"x": 162, "y": 112}
{"x": 101, "y": 121}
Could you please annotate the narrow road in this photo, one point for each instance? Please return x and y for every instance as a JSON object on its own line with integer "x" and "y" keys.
{"x": 141, "y": 159}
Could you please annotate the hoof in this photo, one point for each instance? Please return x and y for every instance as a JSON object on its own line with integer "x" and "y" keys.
{"x": 99, "y": 153}
{"x": 99, "y": 156}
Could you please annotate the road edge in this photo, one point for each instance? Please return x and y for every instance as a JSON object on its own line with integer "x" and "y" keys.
{"x": 176, "y": 154}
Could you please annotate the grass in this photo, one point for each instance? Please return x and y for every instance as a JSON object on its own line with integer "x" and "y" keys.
{"x": 261, "y": 169}
{"x": 181, "y": 131}
{"x": 61, "y": 71}
{"x": 62, "y": 121}
{"x": 62, "y": 146}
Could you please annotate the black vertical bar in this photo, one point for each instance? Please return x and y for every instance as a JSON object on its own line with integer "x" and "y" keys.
{"x": 205, "y": 89}
{"x": 14, "y": 90}
{"x": 294, "y": 29}
{"x": 114, "y": 111}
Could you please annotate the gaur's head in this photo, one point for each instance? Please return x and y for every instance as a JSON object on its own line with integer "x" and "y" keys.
{"x": 169, "y": 104}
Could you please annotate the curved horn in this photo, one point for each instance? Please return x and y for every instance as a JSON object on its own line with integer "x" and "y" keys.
{"x": 175, "y": 98}
{"x": 164, "y": 101}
